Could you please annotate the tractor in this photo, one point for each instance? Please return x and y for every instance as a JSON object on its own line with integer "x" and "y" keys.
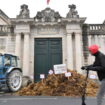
{"x": 10, "y": 73}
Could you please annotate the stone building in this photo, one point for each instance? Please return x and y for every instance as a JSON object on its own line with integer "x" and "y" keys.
{"x": 49, "y": 39}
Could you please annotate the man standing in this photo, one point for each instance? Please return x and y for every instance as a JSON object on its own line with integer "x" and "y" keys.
{"x": 99, "y": 67}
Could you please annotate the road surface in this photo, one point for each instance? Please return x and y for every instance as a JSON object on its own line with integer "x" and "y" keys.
{"x": 8, "y": 99}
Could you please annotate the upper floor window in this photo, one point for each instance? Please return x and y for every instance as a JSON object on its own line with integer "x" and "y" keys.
{"x": 2, "y": 44}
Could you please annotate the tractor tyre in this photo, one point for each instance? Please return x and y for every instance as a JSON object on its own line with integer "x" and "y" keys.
{"x": 14, "y": 80}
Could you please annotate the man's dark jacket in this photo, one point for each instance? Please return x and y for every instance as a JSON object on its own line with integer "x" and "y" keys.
{"x": 99, "y": 65}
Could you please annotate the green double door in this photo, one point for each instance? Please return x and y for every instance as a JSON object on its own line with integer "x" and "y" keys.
{"x": 48, "y": 52}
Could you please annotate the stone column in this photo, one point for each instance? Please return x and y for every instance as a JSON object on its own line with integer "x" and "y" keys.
{"x": 7, "y": 43}
{"x": 89, "y": 43}
{"x": 96, "y": 40}
{"x": 102, "y": 43}
{"x": 78, "y": 52}
{"x": 18, "y": 45}
{"x": 89, "y": 40}
{"x": 92, "y": 40}
{"x": 26, "y": 52}
{"x": 69, "y": 52}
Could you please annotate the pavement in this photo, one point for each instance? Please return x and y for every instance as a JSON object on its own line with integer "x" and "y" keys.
{"x": 8, "y": 99}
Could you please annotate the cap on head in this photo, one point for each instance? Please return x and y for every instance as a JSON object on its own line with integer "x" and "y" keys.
{"x": 93, "y": 49}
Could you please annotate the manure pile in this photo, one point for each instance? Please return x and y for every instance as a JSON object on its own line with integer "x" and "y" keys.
{"x": 59, "y": 85}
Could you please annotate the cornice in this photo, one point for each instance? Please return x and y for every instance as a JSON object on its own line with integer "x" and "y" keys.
{"x": 73, "y": 20}
{"x": 22, "y": 21}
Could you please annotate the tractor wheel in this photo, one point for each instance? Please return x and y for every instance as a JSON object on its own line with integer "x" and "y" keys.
{"x": 14, "y": 80}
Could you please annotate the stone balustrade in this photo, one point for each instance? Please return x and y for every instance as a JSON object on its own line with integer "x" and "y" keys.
{"x": 6, "y": 29}
{"x": 96, "y": 29}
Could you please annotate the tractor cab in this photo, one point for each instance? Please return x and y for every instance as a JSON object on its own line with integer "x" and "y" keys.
{"x": 10, "y": 73}
{"x": 6, "y": 61}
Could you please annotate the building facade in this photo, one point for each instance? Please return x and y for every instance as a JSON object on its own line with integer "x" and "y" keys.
{"x": 49, "y": 39}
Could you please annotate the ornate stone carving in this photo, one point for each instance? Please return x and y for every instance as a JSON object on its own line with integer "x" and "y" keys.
{"x": 47, "y": 15}
{"x": 48, "y": 30}
{"x": 72, "y": 12}
{"x": 24, "y": 13}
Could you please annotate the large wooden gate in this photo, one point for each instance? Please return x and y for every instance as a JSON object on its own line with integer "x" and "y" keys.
{"x": 48, "y": 51}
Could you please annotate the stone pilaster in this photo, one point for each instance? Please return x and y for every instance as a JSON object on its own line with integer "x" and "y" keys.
{"x": 102, "y": 43}
{"x": 26, "y": 55}
{"x": 78, "y": 52}
{"x": 18, "y": 45}
{"x": 69, "y": 52}
{"x": 89, "y": 43}
{"x": 89, "y": 40}
{"x": 103, "y": 37}
{"x": 96, "y": 40}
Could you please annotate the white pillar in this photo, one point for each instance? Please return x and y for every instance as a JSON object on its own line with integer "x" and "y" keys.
{"x": 96, "y": 39}
{"x": 99, "y": 40}
{"x": 69, "y": 52}
{"x": 26, "y": 55}
{"x": 18, "y": 45}
{"x": 18, "y": 48}
{"x": 92, "y": 39}
{"x": 89, "y": 40}
{"x": 78, "y": 52}
{"x": 64, "y": 47}
{"x": 7, "y": 43}
{"x": 102, "y": 43}
{"x": 89, "y": 44}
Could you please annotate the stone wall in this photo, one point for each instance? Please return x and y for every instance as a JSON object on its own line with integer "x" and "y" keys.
{"x": 20, "y": 33}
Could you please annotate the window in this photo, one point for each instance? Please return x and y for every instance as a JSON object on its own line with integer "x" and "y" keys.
{"x": 2, "y": 44}
{"x": 14, "y": 61}
{"x": 7, "y": 61}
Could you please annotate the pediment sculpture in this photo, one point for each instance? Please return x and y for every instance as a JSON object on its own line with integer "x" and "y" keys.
{"x": 24, "y": 13}
{"x": 47, "y": 15}
{"x": 72, "y": 12}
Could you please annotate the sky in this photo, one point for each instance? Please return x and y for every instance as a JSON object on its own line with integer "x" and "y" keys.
{"x": 93, "y": 10}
